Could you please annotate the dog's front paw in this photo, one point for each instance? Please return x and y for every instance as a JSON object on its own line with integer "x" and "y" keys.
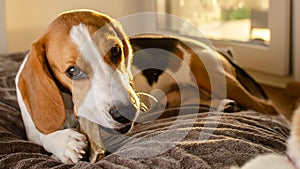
{"x": 67, "y": 145}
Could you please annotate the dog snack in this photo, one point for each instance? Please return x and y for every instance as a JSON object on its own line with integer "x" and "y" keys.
{"x": 96, "y": 146}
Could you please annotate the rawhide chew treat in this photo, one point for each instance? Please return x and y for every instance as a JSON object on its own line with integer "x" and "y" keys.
{"x": 96, "y": 146}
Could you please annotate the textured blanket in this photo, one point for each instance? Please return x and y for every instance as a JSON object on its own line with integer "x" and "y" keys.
{"x": 195, "y": 139}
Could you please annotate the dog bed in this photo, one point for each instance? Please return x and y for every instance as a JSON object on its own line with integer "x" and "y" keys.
{"x": 207, "y": 139}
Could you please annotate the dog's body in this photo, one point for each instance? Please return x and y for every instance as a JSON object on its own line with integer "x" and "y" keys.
{"x": 172, "y": 64}
{"x": 86, "y": 54}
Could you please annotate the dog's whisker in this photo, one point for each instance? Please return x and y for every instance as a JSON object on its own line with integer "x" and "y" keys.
{"x": 147, "y": 95}
{"x": 144, "y": 108}
{"x": 136, "y": 103}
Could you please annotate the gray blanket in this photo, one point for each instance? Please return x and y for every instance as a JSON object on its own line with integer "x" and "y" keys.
{"x": 195, "y": 139}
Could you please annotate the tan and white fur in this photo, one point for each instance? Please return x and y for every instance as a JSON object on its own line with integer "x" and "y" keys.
{"x": 87, "y": 54}
{"x": 193, "y": 64}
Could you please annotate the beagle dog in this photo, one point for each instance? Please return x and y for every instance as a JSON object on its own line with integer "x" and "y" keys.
{"x": 174, "y": 64}
{"x": 87, "y": 55}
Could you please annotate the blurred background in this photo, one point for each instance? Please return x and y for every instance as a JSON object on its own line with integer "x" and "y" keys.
{"x": 263, "y": 34}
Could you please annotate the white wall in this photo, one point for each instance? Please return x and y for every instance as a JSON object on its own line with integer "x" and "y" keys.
{"x": 3, "y": 44}
{"x": 296, "y": 36}
{"x": 26, "y": 19}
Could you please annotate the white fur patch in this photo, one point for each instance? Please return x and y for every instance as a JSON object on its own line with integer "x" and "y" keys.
{"x": 108, "y": 87}
{"x": 272, "y": 161}
{"x": 81, "y": 36}
{"x": 182, "y": 76}
{"x": 293, "y": 141}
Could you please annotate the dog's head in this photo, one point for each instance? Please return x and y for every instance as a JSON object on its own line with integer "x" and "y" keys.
{"x": 87, "y": 54}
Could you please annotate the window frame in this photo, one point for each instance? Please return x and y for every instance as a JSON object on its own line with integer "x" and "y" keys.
{"x": 273, "y": 58}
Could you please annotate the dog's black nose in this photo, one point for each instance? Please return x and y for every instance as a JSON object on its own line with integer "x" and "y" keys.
{"x": 123, "y": 114}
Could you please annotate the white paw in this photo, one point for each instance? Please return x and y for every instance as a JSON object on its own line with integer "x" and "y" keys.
{"x": 67, "y": 145}
{"x": 272, "y": 161}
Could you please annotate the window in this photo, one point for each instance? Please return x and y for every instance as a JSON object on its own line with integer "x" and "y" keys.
{"x": 257, "y": 30}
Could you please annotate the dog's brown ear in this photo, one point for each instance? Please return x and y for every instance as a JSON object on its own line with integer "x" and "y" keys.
{"x": 39, "y": 91}
{"x": 125, "y": 41}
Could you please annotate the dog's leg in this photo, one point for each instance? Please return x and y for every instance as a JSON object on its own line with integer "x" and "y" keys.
{"x": 234, "y": 90}
{"x": 238, "y": 93}
{"x": 67, "y": 145}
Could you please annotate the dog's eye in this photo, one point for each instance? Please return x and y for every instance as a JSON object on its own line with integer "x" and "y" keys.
{"x": 76, "y": 73}
{"x": 116, "y": 53}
